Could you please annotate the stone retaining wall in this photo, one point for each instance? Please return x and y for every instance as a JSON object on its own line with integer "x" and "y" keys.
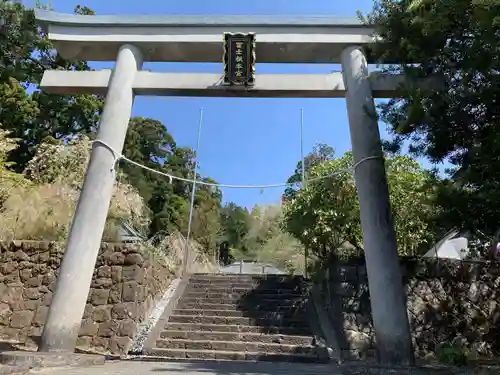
{"x": 126, "y": 282}
{"x": 448, "y": 302}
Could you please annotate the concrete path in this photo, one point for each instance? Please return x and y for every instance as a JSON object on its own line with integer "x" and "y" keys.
{"x": 251, "y": 368}
{"x": 194, "y": 368}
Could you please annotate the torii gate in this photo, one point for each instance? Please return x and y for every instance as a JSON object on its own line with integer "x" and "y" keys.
{"x": 130, "y": 40}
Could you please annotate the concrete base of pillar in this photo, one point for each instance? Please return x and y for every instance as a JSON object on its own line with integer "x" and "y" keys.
{"x": 36, "y": 360}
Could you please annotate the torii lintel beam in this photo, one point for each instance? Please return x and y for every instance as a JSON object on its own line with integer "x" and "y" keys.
{"x": 207, "y": 84}
{"x": 191, "y": 38}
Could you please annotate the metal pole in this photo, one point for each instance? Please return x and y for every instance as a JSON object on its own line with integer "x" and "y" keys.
{"x": 302, "y": 147}
{"x": 193, "y": 192}
{"x": 303, "y": 175}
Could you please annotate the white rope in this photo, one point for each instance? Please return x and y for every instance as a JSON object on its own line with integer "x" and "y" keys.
{"x": 171, "y": 177}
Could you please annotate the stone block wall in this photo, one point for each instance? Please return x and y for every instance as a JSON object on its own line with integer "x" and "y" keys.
{"x": 448, "y": 302}
{"x": 126, "y": 282}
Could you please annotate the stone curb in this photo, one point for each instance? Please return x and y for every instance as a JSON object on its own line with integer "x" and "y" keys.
{"x": 13, "y": 370}
{"x": 33, "y": 360}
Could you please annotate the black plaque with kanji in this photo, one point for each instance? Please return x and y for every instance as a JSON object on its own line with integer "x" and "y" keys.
{"x": 239, "y": 59}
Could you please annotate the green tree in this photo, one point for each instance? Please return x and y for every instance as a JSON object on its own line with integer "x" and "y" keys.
{"x": 455, "y": 41}
{"x": 320, "y": 153}
{"x": 149, "y": 143}
{"x": 267, "y": 242}
{"x": 235, "y": 223}
{"x": 37, "y": 125}
{"x": 25, "y": 53}
{"x": 325, "y": 215}
{"x": 8, "y": 179}
{"x": 206, "y": 216}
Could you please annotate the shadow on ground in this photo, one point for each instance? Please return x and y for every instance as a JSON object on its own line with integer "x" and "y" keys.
{"x": 242, "y": 367}
{"x": 277, "y": 304}
{"x": 287, "y": 368}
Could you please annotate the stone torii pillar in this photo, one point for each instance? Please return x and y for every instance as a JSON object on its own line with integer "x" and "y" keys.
{"x": 392, "y": 331}
{"x": 75, "y": 275}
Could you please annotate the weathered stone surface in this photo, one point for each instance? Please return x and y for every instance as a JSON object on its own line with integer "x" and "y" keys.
{"x": 32, "y": 293}
{"x": 28, "y": 276}
{"x": 101, "y": 313}
{"x": 100, "y": 343}
{"x": 134, "y": 258}
{"x": 5, "y": 314}
{"x": 84, "y": 342}
{"x": 47, "y": 298}
{"x": 8, "y": 267}
{"x": 40, "y": 316}
{"x": 448, "y": 302}
{"x": 120, "y": 345}
{"x": 48, "y": 278}
{"x": 89, "y": 309}
{"x": 21, "y": 319}
{"x": 102, "y": 283}
{"x": 89, "y": 328}
{"x": 25, "y": 274}
{"x": 133, "y": 273}
{"x": 116, "y": 274}
{"x": 115, "y": 293}
{"x": 31, "y": 305}
{"x": 99, "y": 296}
{"x": 117, "y": 259}
{"x": 108, "y": 329}
{"x": 104, "y": 272}
{"x": 125, "y": 310}
{"x": 132, "y": 292}
{"x": 128, "y": 327}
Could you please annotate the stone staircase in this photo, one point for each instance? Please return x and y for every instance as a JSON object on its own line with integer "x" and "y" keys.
{"x": 239, "y": 317}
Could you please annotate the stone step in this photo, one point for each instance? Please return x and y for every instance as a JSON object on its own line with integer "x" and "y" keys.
{"x": 235, "y": 346}
{"x": 245, "y": 281}
{"x": 249, "y": 286}
{"x": 300, "y": 314}
{"x": 243, "y": 301}
{"x": 230, "y": 274}
{"x": 233, "y": 356}
{"x": 238, "y": 336}
{"x": 265, "y": 294}
{"x": 277, "y": 330}
{"x": 239, "y": 289}
{"x": 246, "y": 278}
{"x": 250, "y": 294}
{"x": 238, "y": 320}
{"x": 182, "y": 304}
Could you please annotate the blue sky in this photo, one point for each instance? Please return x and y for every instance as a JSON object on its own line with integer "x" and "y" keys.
{"x": 243, "y": 141}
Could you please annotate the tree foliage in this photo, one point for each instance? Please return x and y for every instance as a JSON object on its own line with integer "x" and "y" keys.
{"x": 456, "y": 121}
{"x": 33, "y": 115}
{"x": 235, "y": 224}
{"x": 320, "y": 153}
{"x": 267, "y": 242}
{"x": 45, "y": 141}
{"x": 325, "y": 215}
